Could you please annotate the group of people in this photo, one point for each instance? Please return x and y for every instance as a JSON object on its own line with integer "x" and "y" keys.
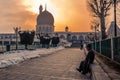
{"x": 85, "y": 65}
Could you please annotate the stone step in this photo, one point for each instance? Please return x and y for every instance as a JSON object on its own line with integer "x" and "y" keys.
{"x": 98, "y": 73}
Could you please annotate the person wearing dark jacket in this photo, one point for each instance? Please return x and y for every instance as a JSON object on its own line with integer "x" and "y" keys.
{"x": 85, "y": 65}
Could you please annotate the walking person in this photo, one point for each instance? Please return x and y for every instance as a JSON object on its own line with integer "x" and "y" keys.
{"x": 84, "y": 66}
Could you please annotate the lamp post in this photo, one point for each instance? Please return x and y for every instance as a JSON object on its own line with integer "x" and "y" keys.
{"x": 16, "y": 29}
{"x": 2, "y": 37}
{"x": 115, "y": 28}
{"x": 95, "y": 28}
{"x": 90, "y": 37}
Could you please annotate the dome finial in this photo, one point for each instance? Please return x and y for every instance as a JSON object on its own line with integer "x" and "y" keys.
{"x": 40, "y": 8}
{"x": 45, "y": 7}
{"x": 66, "y": 29}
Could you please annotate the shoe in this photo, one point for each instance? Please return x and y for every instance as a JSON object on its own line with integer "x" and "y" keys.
{"x": 78, "y": 69}
{"x": 83, "y": 73}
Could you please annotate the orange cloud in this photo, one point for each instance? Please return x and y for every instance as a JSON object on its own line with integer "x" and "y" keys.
{"x": 14, "y": 14}
{"x": 73, "y": 13}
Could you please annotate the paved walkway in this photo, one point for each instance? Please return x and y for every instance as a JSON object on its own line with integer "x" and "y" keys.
{"x": 57, "y": 66}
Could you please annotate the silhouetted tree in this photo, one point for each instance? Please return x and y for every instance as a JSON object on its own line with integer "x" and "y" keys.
{"x": 44, "y": 40}
{"x": 55, "y": 41}
{"x": 100, "y": 9}
{"x": 26, "y": 37}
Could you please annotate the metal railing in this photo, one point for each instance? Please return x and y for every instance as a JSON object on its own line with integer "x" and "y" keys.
{"x": 4, "y": 48}
{"x": 109, "y": 48}
{"x": 35, "y": 45}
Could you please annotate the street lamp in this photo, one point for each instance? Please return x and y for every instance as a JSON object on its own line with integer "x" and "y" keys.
{"x": 90, "y": 37}
{"x": 115, "y": 28}
{"x": 16, "y": 29}
{"x": 95, "y": 28}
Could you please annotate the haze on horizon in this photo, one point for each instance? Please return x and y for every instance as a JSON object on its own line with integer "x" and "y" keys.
{"x": 23, "y": 13}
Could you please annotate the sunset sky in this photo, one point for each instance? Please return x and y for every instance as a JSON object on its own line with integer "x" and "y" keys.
{"x": 23, "y": 13}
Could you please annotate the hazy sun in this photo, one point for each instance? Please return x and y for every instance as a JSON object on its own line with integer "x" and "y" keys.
{"x": 33, "y": 5}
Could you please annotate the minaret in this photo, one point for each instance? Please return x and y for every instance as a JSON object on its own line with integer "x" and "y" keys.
{"x": 40, "y": 9}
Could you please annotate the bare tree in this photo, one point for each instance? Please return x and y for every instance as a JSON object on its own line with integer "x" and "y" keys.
{"x": 95, "y": 28}
{"x": 118, "y": 14}
{"x": 100, "y": 9}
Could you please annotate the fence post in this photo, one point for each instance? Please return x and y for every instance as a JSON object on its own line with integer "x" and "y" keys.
{"x": 95, "y": 45}
{"x": 100, "y": 47}
{"x": 2, "y": 45}
{"x": 112, "y": 52}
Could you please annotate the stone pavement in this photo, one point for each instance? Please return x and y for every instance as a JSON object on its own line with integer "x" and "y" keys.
{"x": 57, "y": 66}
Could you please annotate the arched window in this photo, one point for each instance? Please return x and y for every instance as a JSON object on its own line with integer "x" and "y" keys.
{"x": 69, "y": 37}
{"x": 81, "y": 38}
{"x": 6, "y": 37}
{"x": 62, "y": 36}
{"x": 86, "y": 38}
{"x": 1, "y": 37}
{"x": 74, "y": 37}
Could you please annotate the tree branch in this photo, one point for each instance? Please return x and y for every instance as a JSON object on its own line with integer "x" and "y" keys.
{"x": 93, "y": 8}
{"x": 107, "y": 7}
{"x": 96, "y": 4}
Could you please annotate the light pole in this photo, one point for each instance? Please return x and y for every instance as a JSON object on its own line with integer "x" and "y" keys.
{"x": 90, "y": 35}
{"x": 16, "y": 29}
{"x": 95, "y": 28}
{"x": 2, "y": 37}
{"x": 115, "y": 28}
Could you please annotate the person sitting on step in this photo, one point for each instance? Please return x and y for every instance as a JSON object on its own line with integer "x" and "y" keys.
{"x": 84, "y": 66}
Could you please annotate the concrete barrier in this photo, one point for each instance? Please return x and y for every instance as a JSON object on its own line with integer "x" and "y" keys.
{"x": 98, "y": 73}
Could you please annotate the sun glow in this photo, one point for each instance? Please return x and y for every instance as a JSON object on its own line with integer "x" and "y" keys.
{"x": 33, "y": 5}
{"x": 65, "y": 12}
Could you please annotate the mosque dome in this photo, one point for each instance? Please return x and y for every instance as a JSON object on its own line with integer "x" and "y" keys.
{"x": 45, "y": 18}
